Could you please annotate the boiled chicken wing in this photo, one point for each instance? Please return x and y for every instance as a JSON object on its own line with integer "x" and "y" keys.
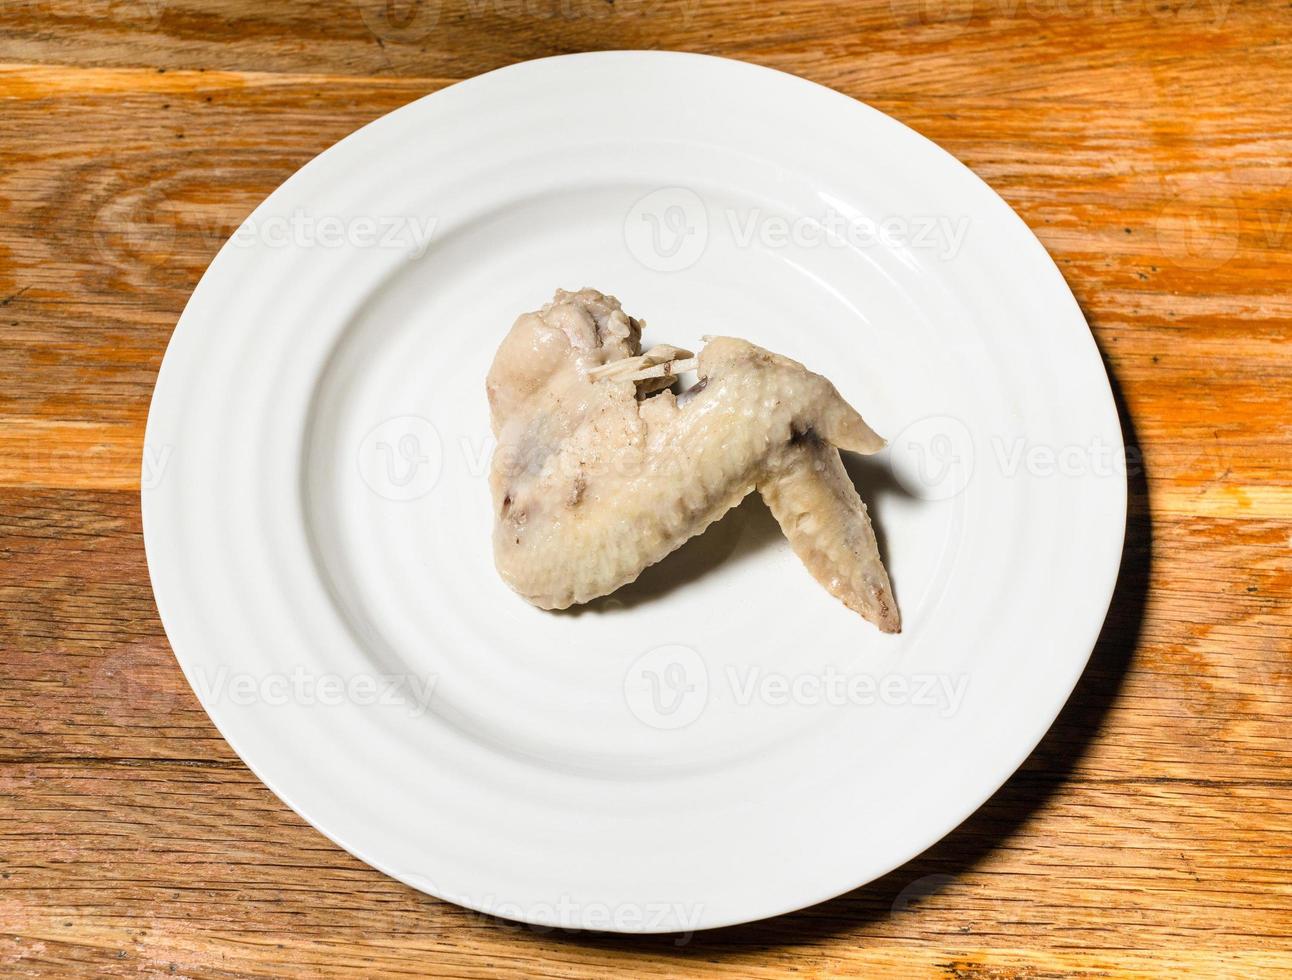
{"x": 601, "y": 470}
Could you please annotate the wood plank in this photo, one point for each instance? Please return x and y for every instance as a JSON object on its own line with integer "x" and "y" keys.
{"x": 460, "y": 38}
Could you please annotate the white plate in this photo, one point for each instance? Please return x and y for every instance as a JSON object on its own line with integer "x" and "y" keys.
{"x": 723, "y": 741}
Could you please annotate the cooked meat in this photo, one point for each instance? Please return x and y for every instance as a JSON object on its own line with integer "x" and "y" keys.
{"x": 601, "y": 471}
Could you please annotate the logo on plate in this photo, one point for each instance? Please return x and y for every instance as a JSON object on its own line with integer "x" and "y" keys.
{"x": 668, "y": 229}
{"x": 933, "y": 458}
{"x": 400, "y": 459}
{"x": 667, "y": 687}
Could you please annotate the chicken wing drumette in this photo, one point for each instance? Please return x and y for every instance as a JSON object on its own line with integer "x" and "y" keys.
{"x": 601, "y": 471}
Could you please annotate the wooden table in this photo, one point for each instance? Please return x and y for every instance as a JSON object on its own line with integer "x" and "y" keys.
{"x": 1147, "y": 142}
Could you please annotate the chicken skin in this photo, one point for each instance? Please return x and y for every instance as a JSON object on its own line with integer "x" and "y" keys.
{"x": 600, "y": 470}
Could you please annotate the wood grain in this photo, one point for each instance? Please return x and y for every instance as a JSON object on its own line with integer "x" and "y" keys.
{"x": 1147, "y": 144}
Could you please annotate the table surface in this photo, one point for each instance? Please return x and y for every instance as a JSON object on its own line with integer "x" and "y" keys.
{"x": 1147, "y": 142}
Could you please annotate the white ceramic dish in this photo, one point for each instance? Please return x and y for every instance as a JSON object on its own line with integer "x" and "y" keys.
{"x": 723, "y": 741}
